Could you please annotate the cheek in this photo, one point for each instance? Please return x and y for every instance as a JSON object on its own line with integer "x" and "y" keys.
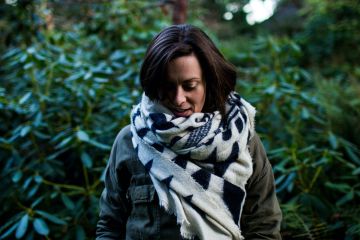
{"x": 200, "y": 100}
{"x": 203, "y": 94}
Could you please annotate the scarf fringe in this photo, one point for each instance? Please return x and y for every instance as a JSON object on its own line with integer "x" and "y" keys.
{"x": 179, "y": 220}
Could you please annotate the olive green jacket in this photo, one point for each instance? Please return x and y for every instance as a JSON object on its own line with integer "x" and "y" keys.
{"x": 129, "y": 207}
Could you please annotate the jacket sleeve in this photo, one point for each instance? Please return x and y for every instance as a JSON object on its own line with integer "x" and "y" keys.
{"x": 261, "y": 216}
{"x": 114, "y": 207}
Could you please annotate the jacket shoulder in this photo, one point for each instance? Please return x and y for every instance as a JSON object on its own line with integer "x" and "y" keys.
{"x": 261, "y": 218}
{"x": 123, "y": 145}
{"x": 261, "y": 164}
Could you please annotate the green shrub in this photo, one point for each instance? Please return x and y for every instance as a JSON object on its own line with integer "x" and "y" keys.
{"x": 330, "y": 33}
{"x": 315, "y": 163}
{"x": 63, "y": 99}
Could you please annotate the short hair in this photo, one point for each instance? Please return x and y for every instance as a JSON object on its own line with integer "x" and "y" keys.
{"x": 182, "y": 40}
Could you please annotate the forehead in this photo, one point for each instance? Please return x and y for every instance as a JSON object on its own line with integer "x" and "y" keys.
{"x": 184, "y": 68}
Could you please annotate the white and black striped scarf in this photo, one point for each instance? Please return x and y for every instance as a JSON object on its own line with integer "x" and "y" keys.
{"x": 199, "y": 165}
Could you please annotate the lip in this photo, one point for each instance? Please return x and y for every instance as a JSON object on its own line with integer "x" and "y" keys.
{"x": 182, "y": 112}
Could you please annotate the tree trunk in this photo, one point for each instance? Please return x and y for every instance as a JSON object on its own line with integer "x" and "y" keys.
{"x": 179, "y": 11}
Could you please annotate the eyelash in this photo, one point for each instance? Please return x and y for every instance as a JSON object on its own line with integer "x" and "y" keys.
{"x": 189, "y": 87}
{"x": 186, "y": 87}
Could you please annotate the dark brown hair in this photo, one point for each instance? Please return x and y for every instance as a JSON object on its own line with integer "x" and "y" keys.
{"x": 182, "y": 40}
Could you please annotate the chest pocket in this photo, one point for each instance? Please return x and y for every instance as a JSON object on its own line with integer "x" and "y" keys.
{"x": 143, "y": 222}
{"x": 141, "y": 189}
{"x": 142, "y": 194}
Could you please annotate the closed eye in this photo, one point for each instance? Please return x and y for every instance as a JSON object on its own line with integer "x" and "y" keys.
{"x": 191, "y": 84}
{"x": 189, "y": 87}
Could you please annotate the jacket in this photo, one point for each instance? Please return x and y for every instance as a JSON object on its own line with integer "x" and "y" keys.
{"x": 129, "y": 207}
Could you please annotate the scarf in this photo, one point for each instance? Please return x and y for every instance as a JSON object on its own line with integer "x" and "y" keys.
{"x": 199, "y": 165}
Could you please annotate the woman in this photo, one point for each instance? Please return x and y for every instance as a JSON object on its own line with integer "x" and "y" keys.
{"x": 190, "y": 164}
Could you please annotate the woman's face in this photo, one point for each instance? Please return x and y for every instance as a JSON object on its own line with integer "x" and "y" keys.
{"x": 184, "y": 90}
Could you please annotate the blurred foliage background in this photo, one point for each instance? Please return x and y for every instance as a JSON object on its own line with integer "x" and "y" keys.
{"x": 69, "y": 76}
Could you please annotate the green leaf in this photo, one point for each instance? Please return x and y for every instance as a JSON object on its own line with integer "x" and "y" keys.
{"x": 321, "y": 161}
{"x": 333, "y": 140}
{"x": 88, "y": 75}
{"x": 10, "y": 221}
{"x": 23, "y": 58}
{"x": 25, "y": 130}
{"x": 80, "y": 233}
{"x": 38, "y": 179}
{"x": 353, "y": 156}
{"x": 305, "y": 113}
{"x": 9, "y": 232}
{"x": 307, "y": 149}
{"x": 61, "y": 135}
{"x": 17, "y": 176}
{"x": 342, "y": 187}
{"x": 86, "y": 160}
{"x": 39, "y": 57}
{"x": 64, "y": 142}
{"x": 37, "y": 201}
{"x": 31, "y": 50}
{"x": 82, "y": 136}
{"x": 117, "y": 55}
{"x": 346, "y": 198}
{"x": 287, "y": 183}
{"x": 125, "y": 76}
{"x": 311, "y": 201}
{"x": 27, "y": 182}
{"x": 53, "y": 195}
{"x": 356, "y": 171}
{"x": 278, "y": 150}
{"x": 67, "y": 202}
{"x": 38, "y": 119}
{"x": 28, "y": 65}
{"x": 270, "y": 90}
{"x": 32, "y": 191}
{"x": 99, "y": 145}
{"x": 22, "y": 227}
{"x": 25, "y": 98}
{"x": 92, "y": 92}
{"x": 10, "y": 53}
{"x": 295, "y": 47}
{"x": 101, "y": 80}
{"x": 51, "y": 217}
{"x": 74, "y": 77}
{"x": 279, "y": 179}
{"x": 41, "y": 227}
{"x": 126, "y": 100}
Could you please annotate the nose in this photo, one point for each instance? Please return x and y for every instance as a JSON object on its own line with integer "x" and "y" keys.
{"x": 180, "y": 97}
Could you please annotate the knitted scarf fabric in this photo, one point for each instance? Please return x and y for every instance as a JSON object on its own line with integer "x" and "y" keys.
{"x": 199, "y": 165}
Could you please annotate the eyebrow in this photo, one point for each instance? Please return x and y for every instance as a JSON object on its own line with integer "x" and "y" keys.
{"x": 191, "y": 79}
{"x": 186, "y": 80}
